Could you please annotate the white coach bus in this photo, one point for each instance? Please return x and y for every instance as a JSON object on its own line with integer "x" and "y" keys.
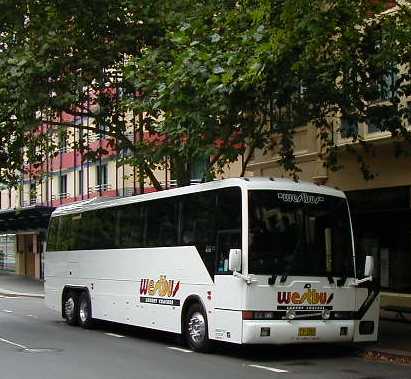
{"x": 247, "y": 260}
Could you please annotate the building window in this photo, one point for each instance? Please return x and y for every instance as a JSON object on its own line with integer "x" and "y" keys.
{"x": 80, "y": 182}
{"x": 63, "y": 186}
{"x": 199, "y": 168}
{"x": 102, "y": 177}
{"x": 372, "y": 127}
{"x": 349, "y": 128}
{"x": 21, "y": 195}
{"x": 63, "y": 142}
{"x": 33, "y": 193}
{"x": 387, "y": 86}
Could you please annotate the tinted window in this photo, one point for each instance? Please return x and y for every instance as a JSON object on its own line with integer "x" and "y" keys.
{"x": 87, "y": 231}
{"x": 129, "y": 225}
{"x": 52, "y": 234}
{"x": 228, "y": 225}
{"x": 162, "y": 222}
{"x": 299, "y": 233}
{"x": 209, "y": 220}
{"x": 198, "y": 226}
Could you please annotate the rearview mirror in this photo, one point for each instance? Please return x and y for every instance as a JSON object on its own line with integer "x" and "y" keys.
{"x": 234, "y": 260}
{"x": 369, "y": 266}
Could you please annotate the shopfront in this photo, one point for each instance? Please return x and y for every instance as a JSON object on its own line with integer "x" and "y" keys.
{"x": 8, "y": 250}
{"x": 23, "y": 233}
{"x": 382, "y": 225}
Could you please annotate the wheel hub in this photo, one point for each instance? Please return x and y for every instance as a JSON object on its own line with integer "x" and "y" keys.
{"x": 83, "y": 313}
{"x": 69, "y": 308}
{"x": 197, "y": 327}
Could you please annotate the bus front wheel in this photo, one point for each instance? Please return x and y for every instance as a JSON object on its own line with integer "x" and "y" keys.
{"x": 71, "y": 308}
{"x": 84, "y": 311}
{"x": 196, "y": 329}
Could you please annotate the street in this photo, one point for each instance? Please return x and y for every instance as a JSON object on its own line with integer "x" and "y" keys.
{"x": 35, "y": 342}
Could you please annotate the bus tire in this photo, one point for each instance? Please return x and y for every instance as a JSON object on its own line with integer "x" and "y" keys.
{"x": 71, "y": 308}
{"x": 84, "y": 311}
{"x": 196, "y": 329}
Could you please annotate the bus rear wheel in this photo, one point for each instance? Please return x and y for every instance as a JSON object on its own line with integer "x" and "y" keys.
{"x": 196, "y": 329}
{"x": 84, "y": 311}
{"x": 71, "y": 308}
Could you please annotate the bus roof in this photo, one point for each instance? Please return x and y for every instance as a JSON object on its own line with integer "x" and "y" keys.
{"x": 247, "y": 183}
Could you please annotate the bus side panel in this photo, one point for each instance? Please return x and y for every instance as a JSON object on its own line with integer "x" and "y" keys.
{"x": 142, "y": 287}
{"x": 55, "y": 270}
{"x": 371, "y": 315}
{"x": 228, "y": 303}
{"x": 228, "y": 326}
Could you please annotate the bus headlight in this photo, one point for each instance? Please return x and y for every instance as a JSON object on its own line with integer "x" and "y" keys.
{"x": 326, "y": 314}
{"x": 290, "y": 314}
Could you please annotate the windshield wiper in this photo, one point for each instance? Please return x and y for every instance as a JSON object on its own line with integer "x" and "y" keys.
{"x": 342, "y": 280}
{"x": 283, "y": 278}
{"x": 272, "y": 279}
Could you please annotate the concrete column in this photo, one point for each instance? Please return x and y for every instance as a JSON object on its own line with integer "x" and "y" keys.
{"x": 37, "y": 257}
{"x": 20, "y": 256}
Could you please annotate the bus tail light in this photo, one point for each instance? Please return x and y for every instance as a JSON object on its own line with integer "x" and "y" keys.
{"x": 258, "y": 315}
{"x": 366, "y": 327}
{"x": 248, "y": 315}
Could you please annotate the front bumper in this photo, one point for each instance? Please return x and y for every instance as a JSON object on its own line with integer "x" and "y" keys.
{"x": 291, "y": 331}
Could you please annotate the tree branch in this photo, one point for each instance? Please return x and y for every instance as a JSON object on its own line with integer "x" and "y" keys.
{"x": 127, "y": 143}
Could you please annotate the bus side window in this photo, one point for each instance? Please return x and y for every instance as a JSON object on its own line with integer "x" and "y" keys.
{"x": 65, "y": 237}
{"x": 104, "y": 228}
{"x": 162, "y": 224}
{"x": 86, "y": 237}
{"x": 198, "y": 226}
{"x": 53, "y": 234}
{"x": 229, "y": 216}
{"x": 129, "y": 231}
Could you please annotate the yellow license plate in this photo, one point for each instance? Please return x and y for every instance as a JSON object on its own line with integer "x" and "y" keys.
{"x": 306, "y": 332}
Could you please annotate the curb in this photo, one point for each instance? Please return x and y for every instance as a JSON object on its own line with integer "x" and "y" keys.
{"x": 387, "y": 355}
{"x": 20, "y": 294}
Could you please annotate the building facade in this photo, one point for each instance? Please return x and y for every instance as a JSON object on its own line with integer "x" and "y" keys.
{"x": 67, "y": 178}
{"x": 380, "y": 207}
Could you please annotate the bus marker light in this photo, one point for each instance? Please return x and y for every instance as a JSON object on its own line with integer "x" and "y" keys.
{"x": 248, "y": 315}
{"x": 290, "y": 314}
{"x": 265, "y": 332}
{"x": 326, "y": 314}
{"x": 208, "y": 295}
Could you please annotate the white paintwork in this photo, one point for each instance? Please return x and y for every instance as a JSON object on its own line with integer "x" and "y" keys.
{"x": 234, "y": 260}
{"x": 369, "y": 265}
{"x": 273, "y": 369}
{"x": 114, "y": 279}
{"x": 179, "y": 349}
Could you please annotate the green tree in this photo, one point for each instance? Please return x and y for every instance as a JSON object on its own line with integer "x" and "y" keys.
{"x": 60, "y": 57}
{"x": 239, "y": 72}
{"x": 206, "y": 78}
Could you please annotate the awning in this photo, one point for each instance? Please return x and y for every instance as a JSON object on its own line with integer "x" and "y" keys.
{"x": 32, "y": 218}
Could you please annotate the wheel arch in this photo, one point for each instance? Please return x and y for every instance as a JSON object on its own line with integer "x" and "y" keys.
{"x": 77, "y": 289}
{"x": 189, "y": 301}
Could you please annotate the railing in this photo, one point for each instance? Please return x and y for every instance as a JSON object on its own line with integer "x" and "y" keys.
{"x": 99, "y": 188}
{"x": 33, "y": 201}
{"x": 173, "y": 182}
{"x": 60, "y": 196}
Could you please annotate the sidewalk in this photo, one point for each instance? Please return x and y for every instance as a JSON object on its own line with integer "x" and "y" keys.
{"x": 394, "y": 343}
{"x": 15, "y": 285}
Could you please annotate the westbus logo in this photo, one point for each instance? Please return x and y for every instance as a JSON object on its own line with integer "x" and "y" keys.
{"x": 162, "y": 287}
{"x": 300, "y": 198}
{"x": 311, "y": 296}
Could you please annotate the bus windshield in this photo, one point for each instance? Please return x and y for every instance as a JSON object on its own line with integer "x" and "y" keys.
{"x": 298, "y": 233}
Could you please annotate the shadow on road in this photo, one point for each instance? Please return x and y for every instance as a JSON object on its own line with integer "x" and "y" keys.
{"x": 299, "y": 354}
